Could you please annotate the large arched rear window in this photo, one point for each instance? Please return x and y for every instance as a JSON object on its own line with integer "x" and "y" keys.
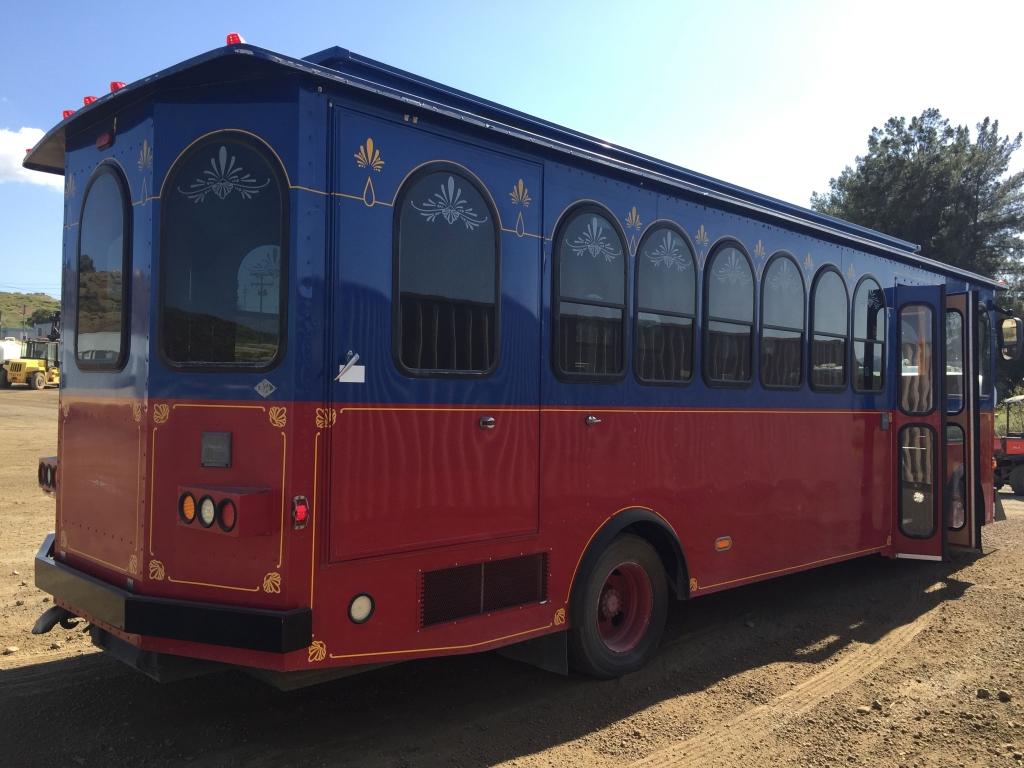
{"x": 222, "y": 256}
{"x": 104, "y": 272}
{"x": 446, "y": 259}
{"x": 591, "y": 307}
{"x": 666, "y": 299}
{"x": 728, "y": 317}
{"x": 829, "y": 321}
{"x": 782, "y": 323}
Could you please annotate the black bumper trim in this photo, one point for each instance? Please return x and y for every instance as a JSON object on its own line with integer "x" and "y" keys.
{"x": 250, "y": 628}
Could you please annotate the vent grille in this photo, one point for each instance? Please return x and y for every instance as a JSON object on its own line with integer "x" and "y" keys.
{"x": 472, "y": 590}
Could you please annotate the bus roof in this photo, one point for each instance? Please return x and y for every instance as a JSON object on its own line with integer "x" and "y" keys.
{"x": 343, "y": 67}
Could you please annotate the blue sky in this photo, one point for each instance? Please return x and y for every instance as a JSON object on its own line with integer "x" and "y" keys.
{"x": 775, "y": 96}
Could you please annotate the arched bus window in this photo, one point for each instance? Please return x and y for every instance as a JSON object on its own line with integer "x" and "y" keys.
{"x": 104, "y": 272}
{"x": 829, "y": 320}
{"x": 728, "y": 317}
{"x": 666, "y": 298}
{"x": 868, "y": 337}
{"x": 782, "y": 323}
{"x": 446, "y": 262}
{"x": 590, "y": 269}
{"x": 223, "y": 246}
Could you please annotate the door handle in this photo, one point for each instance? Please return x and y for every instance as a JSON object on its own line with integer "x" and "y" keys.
{"x": 592, "y": 420}
{"x": 487, "y": 422}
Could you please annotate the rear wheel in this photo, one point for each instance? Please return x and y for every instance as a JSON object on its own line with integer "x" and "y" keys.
{"x": 619, "y": 610}
{"x": 4, "y": 381}
{"x": 38, "y": 380}
{"x": 1017, "y": 479}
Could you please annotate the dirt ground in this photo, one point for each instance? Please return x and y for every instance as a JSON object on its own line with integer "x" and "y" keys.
{"x": 872, "y": 663}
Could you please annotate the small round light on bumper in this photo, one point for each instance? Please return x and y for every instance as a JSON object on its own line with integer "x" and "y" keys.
{"x": 187, "y": 508}
{"x": 227, "y": 515}
{"x": 360, "y": 609}
{"x": 207, "y": 511}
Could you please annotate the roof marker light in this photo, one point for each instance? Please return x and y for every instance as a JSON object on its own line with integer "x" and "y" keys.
{"x": 234, "y": 38}
{"x": 67, "y": 113}
{"x": 87, "y": 100}
{"x": 116, "y": 85}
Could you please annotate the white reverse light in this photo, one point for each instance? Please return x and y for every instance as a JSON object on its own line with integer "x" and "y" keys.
{"x": 361, "y": 608}
{"x": 207, "y": 511}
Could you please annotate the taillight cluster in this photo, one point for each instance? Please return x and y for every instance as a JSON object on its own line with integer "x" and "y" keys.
{"x": 207, "y": 511}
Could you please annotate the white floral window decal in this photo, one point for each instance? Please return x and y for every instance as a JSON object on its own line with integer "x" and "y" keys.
{"x": 593, "y": 242}
{"x": 222, "y": 178}
{"x": 732, "y": 269}
{"x": 783, "y": 277}
{"x": 669, "y": 252}
{"x": 450, "y": 205}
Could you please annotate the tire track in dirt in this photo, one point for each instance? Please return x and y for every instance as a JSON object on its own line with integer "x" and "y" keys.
{"x": 726, "y": 743}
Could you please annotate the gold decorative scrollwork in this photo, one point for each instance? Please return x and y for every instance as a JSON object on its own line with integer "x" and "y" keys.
{"x": 559, "y": 617}
{"x": 702, "y": 236}
{"x": 157, "y": 572}
{"x": 325, "y": 418}
{"x": 278, "y": 416}
{"x": 759, "y": 249}
{"x": 136, "y": 412}
{"x": 520, "y": 194}
{"x": 133, "y": 565}
{"x": 633, "y": 219}
{"x": 161, "y": 413}
{"x": 145, "y": 156}
{"x": 317, "y": 651}
{"x": 693, "y": 583}
{"x": 368, "y": 156}
{"x": 272, "y": 583}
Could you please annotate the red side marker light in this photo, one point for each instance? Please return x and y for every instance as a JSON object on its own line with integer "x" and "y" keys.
{"x": 87, "y": 100}
{"x": 104, "y": 140}
{"x": 116, "y": 85}
{"x": 67, "y": 113}
{"x": 234, "y": 38}
{"x": 300, "y": 512}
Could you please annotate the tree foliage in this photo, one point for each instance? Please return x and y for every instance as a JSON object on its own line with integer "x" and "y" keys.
{"x": 929, "y": 182}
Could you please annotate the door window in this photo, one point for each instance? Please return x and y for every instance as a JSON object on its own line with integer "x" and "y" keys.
{"x": 954, "y": 361}
{"x": 917, "y": 481}
{"x": 916, "y": 383}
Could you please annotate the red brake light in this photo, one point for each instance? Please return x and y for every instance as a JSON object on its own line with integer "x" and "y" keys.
{"x": 116, "y": 85}
{"x": 227, "y": 515}
{"x": 234, "y": 38}
{"x": 87, "y": 100}
{"x": 67, "y": 113}
{"x": 300, "y": 512}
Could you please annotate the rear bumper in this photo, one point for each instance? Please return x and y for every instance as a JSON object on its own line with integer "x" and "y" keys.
{"x": 248, "y": 628}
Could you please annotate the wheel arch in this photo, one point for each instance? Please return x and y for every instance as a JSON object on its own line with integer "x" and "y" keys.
{"x": 653, "y": 528}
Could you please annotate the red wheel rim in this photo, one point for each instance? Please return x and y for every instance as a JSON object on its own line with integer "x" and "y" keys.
{"x": 624, "y": 607}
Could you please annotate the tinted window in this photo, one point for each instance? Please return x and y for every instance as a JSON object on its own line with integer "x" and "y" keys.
{"x": 916, "y": 390}
{"x": 666, "y": 301}
{"x": 828, "y": 331}
{"x": 223, "y": 255}
{"x": 782, "y": 323}
{"x": 447, "y": 275}
{"x": 954, "y": 361}
{"x": 984, "y": 352}
{"x": 103, "y": 273}
{"x": 592, "y": 295}
{"x": 729, "y": 317}
{"x": 868, "y": 337}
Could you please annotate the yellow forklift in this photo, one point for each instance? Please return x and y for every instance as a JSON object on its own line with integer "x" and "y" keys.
{"x": 39, "y": 364}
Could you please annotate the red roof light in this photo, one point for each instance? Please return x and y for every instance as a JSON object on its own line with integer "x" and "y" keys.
{"x": 234, "y": 38}
{"x": 87, "y": 100}
{"x": 116, "y": 85}
{"x": 67, "y": 113}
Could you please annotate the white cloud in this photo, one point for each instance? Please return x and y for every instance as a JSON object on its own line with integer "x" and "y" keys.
{"x": 12, "y": 151}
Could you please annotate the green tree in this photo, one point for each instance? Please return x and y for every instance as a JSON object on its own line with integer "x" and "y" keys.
{"x": 40, "y": 316}
{"x": 928, "y": 182}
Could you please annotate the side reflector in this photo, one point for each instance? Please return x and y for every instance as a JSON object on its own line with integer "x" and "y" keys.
{"x": 723, "y": 543}
{"x": 87, "y": 100}
{"x": 115, "y": 86}
{"x": 300, "y": 512}
{"x": 67, "y": 113}
{"x": 234, "y": 38}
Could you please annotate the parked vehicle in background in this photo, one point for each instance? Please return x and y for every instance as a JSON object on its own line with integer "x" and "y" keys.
{"x": 1008, "y": 450}
{"x": 10, "y": 349}
{"x": 37, "y": 361}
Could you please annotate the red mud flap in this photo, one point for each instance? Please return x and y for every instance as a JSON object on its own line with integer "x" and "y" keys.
{"x": 249, "y": 628}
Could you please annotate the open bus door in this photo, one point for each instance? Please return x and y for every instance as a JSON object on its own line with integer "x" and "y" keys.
{"x": 962, "y": 448}
{"x": 918, "y": 423}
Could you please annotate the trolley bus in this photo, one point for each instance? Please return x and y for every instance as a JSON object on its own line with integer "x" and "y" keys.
{"x": 359, "y": 368}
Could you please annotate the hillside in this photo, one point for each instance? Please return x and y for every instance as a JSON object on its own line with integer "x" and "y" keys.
{"x": 11, "y": 305}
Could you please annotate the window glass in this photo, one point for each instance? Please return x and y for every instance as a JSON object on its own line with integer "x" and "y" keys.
{"x": 868, "y": 337}
{"x": 917, "y": 481}
{"x": 916, "y": 391}
{"x": 956, "y": 477}
{"x": 103, "y": 271}
{"x": 447, "y": 275}
{"x": 222, "y": 255}
{"x": 782, "y": 324}
{"x": 984, "y": 351}
{"x": 592, "y": 296}
{"x": 828, "y": 331}
{"x": 954, "y": 361}
{"x": 666, "y": 301}
{"x": 729, "y": 317}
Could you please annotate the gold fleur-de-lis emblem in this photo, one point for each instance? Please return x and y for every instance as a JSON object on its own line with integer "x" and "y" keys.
{"x": 157, "y": 572}
{"x": 136, "y": 412}
{"x": 559, "y": 617}
{"x": 161, "y": 413}
{"x": 69, "y": 187}
{"x": 325, "y": 418}
{"x": 317, "y": 651}
{"x": 133, "y": 565}
{"x": 759, "y": 249}
{"x": 633, "y": 219}
{"x": 808, "y": 262}
{"x": 702, "y": 236}
{"x": 278, "y": 416}
{"x": 849, "y": 272}
{"x": 520, "y": 195}
{"x": 145, "y": 156}
{"x": 272, "y": 583}
{"x": 368, "y": 156}
{"x": 693, "y": 583}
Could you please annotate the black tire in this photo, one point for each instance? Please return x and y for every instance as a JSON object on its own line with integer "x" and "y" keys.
{"x": 1017, "y": 480}
{"x": 588, "y": 651}
{"x": 38, "y": 380}
{"x": 5, "y": 383}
